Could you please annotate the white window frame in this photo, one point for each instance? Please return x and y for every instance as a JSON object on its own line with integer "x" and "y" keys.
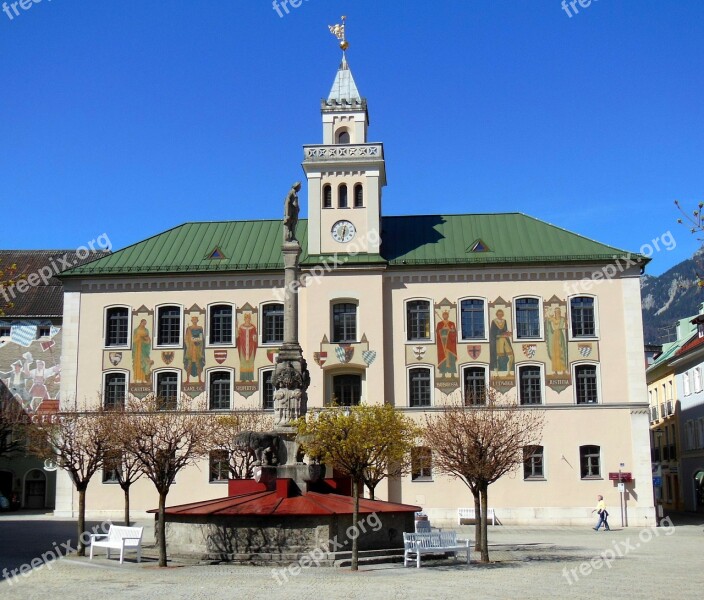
{"x": 260, "y": 328}
{"x": 208, "y": 374}
{"x": 600, "y": 398}
{"x": 686, "y": 384}
{"x": 487, "y": 377}
{"x": 431, "y": 368}
{"x": 218, "y": 481}
{"x": 208, "y": 343}
{"x": 429, "y": 340}
{"x": 422, "y": 479}
{"x": 261, "y": 388}
{"x": 697, "y": 375}
{"x": 155, "y": 329}
{"x": 519, "y": 366}
{"x": 580, "y": 338}
{"x": 104, "y": 377}
{"x": 545, "y": 467}
{"x": 179, "y": 381}
{"x": 486, "y": 319}
{"x": 541, "y": 319}
{"x": 358, "y": 329}
{"x": 129, "y": 327}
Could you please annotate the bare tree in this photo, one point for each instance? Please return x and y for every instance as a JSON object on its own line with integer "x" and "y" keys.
{"x": 481, "y": 443}
{"x": 75, "y": 440}
{"x": 353, "y": 441}
{"x": 165, "y": 437}
{"x": 226, "y": 427}
{"x": 126, "y": 469}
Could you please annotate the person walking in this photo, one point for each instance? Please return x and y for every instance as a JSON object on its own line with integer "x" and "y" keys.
{"x": 603, "y": 514}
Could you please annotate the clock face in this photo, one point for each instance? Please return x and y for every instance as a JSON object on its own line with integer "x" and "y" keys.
{"x": 343, "y": 231}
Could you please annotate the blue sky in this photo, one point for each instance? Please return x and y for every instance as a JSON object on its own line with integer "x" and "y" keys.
{"x": 130, "y": 118}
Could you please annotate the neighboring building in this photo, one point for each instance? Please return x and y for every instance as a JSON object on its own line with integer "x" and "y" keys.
{"x": 688, "y": 364}
{"x": 30, "y": 354}
{"x": 416, "y": 311}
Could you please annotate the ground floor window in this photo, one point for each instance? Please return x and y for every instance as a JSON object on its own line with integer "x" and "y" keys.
{"x": 219, "y": 465}
{"x": 533, "y": 462}
{"x": 421, "y": 464}
{"x": 589, "y": 462}
{"x": 347, "y": 390}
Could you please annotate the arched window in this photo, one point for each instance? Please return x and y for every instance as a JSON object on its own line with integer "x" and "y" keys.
{"x": 219, "y": 390}
{"x": 327, "y": 196}
{"x": 342, "y": 196}
{"x": 419, "y": 387}
{"x": 358, "y": 195}
{"x": 343, "y": 137}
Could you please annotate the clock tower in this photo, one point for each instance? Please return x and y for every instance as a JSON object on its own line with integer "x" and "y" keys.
{"x": 345, "y": 175}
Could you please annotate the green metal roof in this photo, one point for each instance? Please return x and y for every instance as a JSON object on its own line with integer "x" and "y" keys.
{"x": 433, "y": 240}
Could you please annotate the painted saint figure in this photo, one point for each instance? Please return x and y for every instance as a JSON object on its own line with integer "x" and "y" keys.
{"x": 247, "y": 347}
{"x": 500, "y": 349}
{"x": 291, "y": 210}
{"x": 194, "y": 356}
{"x": 556, "y": 337}
{"x": 446, "y": 340}
{"x": 141, "y": 350}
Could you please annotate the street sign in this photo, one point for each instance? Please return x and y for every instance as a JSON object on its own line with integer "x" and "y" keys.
{"x": 621, "y": 476}
{"x": 657, "y": 481}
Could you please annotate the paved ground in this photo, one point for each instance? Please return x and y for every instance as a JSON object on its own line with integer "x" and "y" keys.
{"x": 539, "y": 562}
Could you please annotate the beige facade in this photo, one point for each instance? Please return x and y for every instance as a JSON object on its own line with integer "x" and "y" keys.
{"x": 373, "y": 331}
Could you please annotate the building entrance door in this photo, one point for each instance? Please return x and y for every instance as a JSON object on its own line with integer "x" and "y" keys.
{"x": 35, "y": 490}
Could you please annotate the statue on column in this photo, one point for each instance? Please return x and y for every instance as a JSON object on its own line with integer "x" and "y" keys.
{"x": 291, "y": 210}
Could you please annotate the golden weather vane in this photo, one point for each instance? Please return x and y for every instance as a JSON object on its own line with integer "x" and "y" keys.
{"x": 339, "y": 32}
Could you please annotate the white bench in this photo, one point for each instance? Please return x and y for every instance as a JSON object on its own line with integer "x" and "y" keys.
{"x": 118, "y": 538}
{"x": 436, "y": 542}
{"x": 468, "y": 513}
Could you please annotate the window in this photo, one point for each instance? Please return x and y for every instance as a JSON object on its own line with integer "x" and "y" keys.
{"x": 589, "y": 462}
{"x": 585, "y": 384}
{"x": 219, "y": 390}
{"x": 530, "y": 385}
{"x": 342, "y": 196}
{"x": 5, "y": 331}
{"x": 527, "y": 318}
{"x": 115, "y": 391}
{"x": 359, "y": 196}
{"x": 697, "y": 380}
{"x": 327, "y": 196}
{"x": 219, "y": 466}
{"x": 474, "y": 386}
{"x": 167, "y": 390}
{"x": 169, "y": 323}
{"x": 421, "y": 464}
{"x": 273, "y": 324}
{"x": 116, "y": 326}
{"x": 419, "y": 387}
{"x": 685, "y": 384}
{"x": 344, "y": 322}
{"x": 112, "y": 467}
{"x": 43, "y": 332}
{"x": 343, "y": 137}
{"x": 418, "y": 320}
{"x": 221, "y": 324}
{"x": 533, "y": 462}
{"x": 347, "y": 389}
{"x": 582, "y": 316}
{"x": 267, "y": 390}
{"x": 472, "y": 318}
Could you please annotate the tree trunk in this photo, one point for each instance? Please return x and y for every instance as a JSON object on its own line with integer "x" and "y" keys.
{"x": 127, "y": 505}
{"x": 355, "y": 534}
{"x": 162, "y": 529}
{"x": 485, "y": 539}
{"x": 477, "y": 521}
{"x": 81, "y": 520}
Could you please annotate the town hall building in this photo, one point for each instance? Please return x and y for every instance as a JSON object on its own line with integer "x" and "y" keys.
{"x": 416, "y": 311}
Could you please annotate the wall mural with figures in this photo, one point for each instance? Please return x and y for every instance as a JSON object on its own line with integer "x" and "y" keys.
{"x": 30, "y": 368}
{"x": 501, "y": 350}
{"x": 194, "y": 356}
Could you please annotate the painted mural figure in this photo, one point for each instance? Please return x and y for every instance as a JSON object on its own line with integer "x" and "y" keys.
{"x": 39, "y": 375}
{"x": 500, "y": 348}
{"x": 247, "y": 347}
{"x": 194, "y": 355}
{"x": 14, "y": 380}
{"x": 141, "y": 351}
{"x": 446, "y": 340}
{"x": 556, "y": 337}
